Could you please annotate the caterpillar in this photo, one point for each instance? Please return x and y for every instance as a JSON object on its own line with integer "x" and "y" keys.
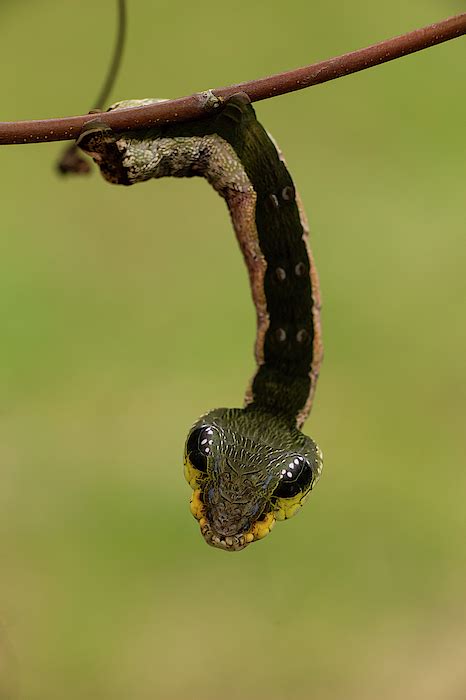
{"x": 250, "y": 466}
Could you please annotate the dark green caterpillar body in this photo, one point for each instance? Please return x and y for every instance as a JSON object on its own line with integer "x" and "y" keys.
{"x": 247, "y": 467}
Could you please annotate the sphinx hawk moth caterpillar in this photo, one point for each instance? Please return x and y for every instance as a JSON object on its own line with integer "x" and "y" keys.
{"x": 252, "y": 466}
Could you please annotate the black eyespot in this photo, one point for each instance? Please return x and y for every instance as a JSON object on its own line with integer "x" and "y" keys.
{"x": 198, "y": 447}
{"x": 295, "y": 477}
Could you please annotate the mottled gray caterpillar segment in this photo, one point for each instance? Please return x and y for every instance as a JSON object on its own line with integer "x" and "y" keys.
{"x": 243, "y": 164}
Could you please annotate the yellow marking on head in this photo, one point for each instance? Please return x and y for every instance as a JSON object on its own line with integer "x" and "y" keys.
{"x": 261, "y": 528}
{"x": 192, "y": 475}
{"x": 197, "y": 506}
{"x": 287, "y": 507}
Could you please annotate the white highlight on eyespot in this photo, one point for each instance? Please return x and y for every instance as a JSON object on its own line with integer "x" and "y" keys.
{"x": 296, "y": 461}
{"x": 204, "y": 441}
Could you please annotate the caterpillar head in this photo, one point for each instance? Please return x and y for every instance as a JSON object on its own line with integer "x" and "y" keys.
{"x": 247, "y": 470}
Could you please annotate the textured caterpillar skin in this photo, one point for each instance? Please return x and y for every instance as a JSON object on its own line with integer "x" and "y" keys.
{"x": 234, "y": 499}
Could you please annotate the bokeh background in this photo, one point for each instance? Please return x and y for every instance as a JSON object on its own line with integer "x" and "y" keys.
{"x": 107, "y": 589}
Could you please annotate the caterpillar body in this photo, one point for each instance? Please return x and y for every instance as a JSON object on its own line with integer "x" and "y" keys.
{"x": 252, "y": 466}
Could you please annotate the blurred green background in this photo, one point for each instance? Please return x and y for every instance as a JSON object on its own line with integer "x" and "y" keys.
{"x": 107, "y": 589}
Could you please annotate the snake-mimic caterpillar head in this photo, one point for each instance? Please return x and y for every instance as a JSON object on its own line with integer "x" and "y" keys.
{"x": 247, "y": 469}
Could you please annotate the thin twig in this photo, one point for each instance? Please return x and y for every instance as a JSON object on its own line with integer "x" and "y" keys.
{"x": 193, "y": 107}
{"x": 71, "y": 160}
{"x": 116, "y": 58}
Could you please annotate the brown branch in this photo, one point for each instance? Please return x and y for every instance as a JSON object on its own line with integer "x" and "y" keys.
{"x": 194, "y": 106}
